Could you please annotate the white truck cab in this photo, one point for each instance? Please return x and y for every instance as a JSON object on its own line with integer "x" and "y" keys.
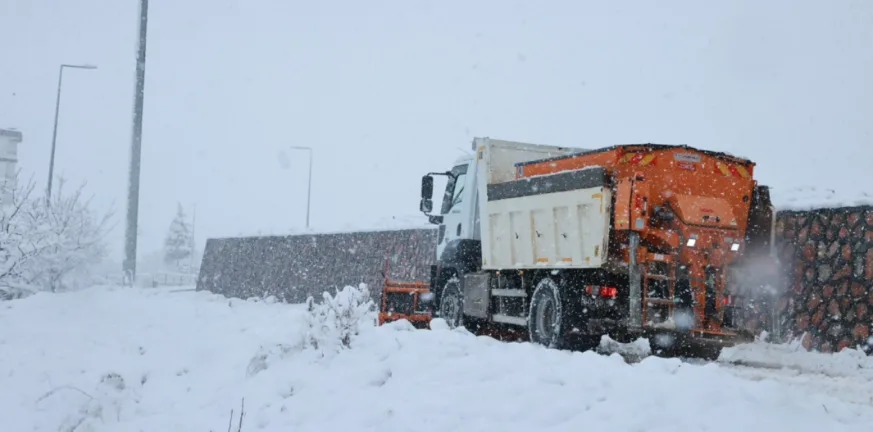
{"x": 458, "y": 214}
{"x": 459, "y": 245}
{"x": 457, "y": 209}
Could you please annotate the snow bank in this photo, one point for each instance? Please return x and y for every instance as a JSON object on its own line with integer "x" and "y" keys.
{"x": 155, "y": 360}
{"x": 632, "y": 352}
{"x": 120, "y": 359}
{"x": 811, "y": 198}
{"x": 846, "y": 363}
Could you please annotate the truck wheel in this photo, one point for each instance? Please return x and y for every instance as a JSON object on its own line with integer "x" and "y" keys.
{"x": 452, "y": 304}
{"x": 546, "y": 315}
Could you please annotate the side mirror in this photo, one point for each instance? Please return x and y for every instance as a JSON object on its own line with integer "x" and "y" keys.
{"x": 427, "y": 187}
{"x": 426, "y": 205}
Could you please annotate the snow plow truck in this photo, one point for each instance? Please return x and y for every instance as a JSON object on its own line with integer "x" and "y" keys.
{"x": 629, "y": 241}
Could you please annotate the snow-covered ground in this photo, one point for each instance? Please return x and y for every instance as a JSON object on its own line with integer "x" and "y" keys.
{"x": 114, "y": 359}
{"x": 851, "y": 363}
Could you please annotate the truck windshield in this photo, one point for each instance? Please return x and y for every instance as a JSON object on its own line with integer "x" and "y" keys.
{"x": 454, "y": 189}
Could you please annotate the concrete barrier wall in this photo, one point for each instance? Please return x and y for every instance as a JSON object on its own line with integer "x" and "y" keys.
{"x": 827, "y": 258}
{"x": 294, "y": 267}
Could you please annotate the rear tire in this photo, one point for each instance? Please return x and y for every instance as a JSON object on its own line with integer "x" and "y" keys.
{"x": 452, "y": 304}
{"x": 546, "y": 317}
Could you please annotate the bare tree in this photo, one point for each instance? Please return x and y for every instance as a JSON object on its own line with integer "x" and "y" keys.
{"x": 44, "y": 243}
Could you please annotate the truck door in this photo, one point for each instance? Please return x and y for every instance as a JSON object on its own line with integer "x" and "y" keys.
{"x": 457, "y": 210}
{"x": 453, "y": 206}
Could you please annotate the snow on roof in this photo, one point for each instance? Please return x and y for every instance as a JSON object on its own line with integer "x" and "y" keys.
{"x": 463, "y": 159}
{"x": 11, "y": 133}
{"x": 813, "y": 197}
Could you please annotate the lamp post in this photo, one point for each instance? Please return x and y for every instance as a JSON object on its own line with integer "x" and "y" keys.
{"x": 48, "y": 192}
{"x": 309, "y": 185}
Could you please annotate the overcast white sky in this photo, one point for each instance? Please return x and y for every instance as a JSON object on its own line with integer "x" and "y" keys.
{"x": 387, "y": 90}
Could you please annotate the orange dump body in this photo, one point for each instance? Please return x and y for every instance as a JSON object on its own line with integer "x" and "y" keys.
{"x": 669, "y": 195}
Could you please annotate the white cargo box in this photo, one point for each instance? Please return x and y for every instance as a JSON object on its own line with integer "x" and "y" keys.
{"x": 554, "y": 221}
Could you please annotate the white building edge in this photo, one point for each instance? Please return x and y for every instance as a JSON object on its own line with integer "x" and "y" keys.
{"x": 9, "y": 140}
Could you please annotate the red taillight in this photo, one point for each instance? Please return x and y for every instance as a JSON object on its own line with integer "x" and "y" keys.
{"x": 608, "y": 292}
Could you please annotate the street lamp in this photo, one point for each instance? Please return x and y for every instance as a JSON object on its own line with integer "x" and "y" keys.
{"x": 309, "y": 186}
{"x": 48, "y": 192}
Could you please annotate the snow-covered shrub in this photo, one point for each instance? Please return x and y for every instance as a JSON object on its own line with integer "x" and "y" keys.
{"x": 47, "y": 244}
{"x": 329, "y": 327}
{"x": 332, "y": 324}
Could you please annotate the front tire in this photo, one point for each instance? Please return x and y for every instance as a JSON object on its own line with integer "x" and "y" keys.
{"x": 452, "y": 304}
{"x": 546, "y": 317}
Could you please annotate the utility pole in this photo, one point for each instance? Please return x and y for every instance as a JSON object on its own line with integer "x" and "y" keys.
{"x": 309, "y": 185}
{"x": 136, "y": 148}
{"x": 48, "y": 191}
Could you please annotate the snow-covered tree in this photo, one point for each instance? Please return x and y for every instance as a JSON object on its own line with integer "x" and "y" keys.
{"x": 179, "y": 243}
{"x": 47, "y": 245}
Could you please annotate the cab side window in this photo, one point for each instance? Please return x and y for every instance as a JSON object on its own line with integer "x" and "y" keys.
{"x": 454, "y": 189}
{"x": 458, "y": 196}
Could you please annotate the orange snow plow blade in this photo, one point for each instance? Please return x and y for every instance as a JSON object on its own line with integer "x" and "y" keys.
{"x": 402, "y": 300}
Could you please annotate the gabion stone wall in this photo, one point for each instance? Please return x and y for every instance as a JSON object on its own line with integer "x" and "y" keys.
{"x": 291, "y": 268}
{"x": 827, "y": 257}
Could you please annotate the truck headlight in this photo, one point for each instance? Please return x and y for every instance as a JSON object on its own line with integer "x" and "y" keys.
{"x": 735, "y": 247}
{"x": 426, "y": 298}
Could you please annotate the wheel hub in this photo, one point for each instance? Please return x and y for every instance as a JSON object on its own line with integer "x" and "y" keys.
{"x": 449, "y": 309}
{"x": 546, "y": 318}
